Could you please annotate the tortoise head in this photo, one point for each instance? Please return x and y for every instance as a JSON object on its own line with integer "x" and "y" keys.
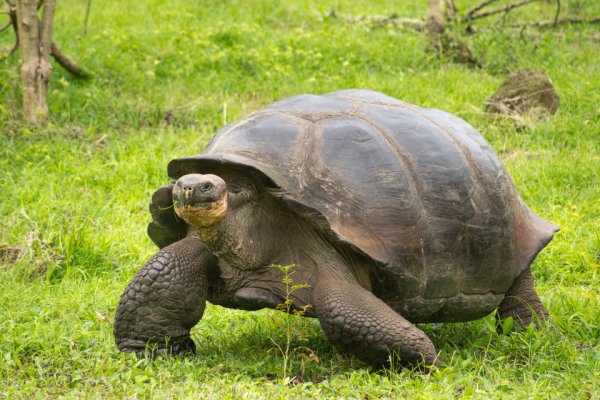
{"x": 200, "y": 200}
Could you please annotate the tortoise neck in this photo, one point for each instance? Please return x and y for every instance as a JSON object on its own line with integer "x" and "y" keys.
{"x": 212, "y": 235}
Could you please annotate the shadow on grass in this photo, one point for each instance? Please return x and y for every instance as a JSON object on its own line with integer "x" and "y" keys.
{"x": 247, "y": 343}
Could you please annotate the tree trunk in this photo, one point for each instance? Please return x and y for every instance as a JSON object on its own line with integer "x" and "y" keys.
{"x": 35, "y": 44}
{"x": 443, "y": 40}
{"x": 436, "y": 21}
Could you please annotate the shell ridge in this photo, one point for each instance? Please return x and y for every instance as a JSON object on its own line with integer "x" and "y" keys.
{"x": 371, "y": 102}
{"x": 305, "y": 153}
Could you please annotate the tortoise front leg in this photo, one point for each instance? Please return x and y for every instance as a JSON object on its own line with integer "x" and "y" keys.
{"x": 354, "y": 319}
{"x": 165, "y": 300}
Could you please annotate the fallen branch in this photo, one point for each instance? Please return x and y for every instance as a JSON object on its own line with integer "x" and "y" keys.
{"x": 414, "y": 24}
{"x": 419, "y": 25}
{"x": 563, "y": 21}
{"x": 376, "y": 21}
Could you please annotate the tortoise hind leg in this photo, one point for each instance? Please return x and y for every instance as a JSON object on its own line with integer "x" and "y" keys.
{"x": 522, "y": 303}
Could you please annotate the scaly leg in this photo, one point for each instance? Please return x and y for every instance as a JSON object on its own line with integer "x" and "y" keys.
{"x": 362, "y": 324}
{"x": 165, "y": 300}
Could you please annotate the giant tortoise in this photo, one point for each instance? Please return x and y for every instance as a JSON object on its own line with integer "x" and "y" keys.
{"x": 392, "y": 214}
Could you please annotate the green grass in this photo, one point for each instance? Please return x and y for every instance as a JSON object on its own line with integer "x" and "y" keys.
{"x": 167, "y": 74}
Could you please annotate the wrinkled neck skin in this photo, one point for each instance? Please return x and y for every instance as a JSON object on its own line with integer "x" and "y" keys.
{"x": 257, "y": 232}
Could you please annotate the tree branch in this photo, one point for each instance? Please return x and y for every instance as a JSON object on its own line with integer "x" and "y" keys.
{"x": 87, "y": 17}
{"x": 10, "y": 52}
{"x": 479, "y": 7}
{"x": 12, "y": 14}
{"x": 5, "y": 27}
{"x": 67, "y": 63}
{"x": 52, "y": 49}
{"x": 557, "y": 11}
{"x": 498, "y": 10}
{"x": 12, "y": 17}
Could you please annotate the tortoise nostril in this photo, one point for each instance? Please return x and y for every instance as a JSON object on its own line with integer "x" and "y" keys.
{"x": 188, "y": 188}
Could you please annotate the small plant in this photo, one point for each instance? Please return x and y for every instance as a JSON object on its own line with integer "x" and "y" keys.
{"x": 292, "y": 313}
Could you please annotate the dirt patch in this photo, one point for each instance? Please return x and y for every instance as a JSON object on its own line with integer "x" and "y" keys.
{"x": 9, "y": 255}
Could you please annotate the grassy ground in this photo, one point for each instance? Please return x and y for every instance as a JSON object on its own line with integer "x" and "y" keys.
{"x": 167, "y": 74}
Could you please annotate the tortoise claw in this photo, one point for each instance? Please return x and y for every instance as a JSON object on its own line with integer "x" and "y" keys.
{"x": 151, "y": 348}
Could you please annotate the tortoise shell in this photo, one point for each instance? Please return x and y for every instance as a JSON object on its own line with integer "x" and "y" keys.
{"x": 418, "y": 191}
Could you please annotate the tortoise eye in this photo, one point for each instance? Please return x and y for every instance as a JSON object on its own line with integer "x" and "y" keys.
{"x": 206, "y": 187}
{"x": 234, "y": 188}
